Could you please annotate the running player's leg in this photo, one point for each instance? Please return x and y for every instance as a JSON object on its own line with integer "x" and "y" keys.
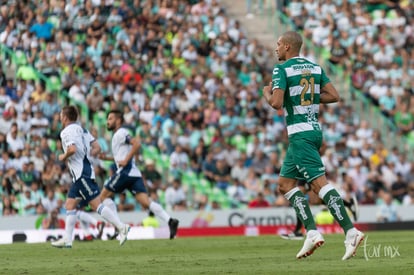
{"x": 90, "y": 193}
{"x": 288, "y": 187}
{"x": 336, "y": 206}
{"x": 352, "y": 204}
{"x": 70, "y": 221}
{"x": 303, "y": 186}
{"x": 310, "y": 166}
{"x": 106, "y": 198}
{"x": 299, "y": 163}
{"x": 299, "y": 202}
{"x": 296, "y": 234}
{"x": 116, "y": 184}
{"x": 140, "y": 192}
{"x": 87, "y": 221}
{"x": 71, "y": 217}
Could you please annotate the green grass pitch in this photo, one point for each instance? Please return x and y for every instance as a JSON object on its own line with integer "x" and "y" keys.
{"x": 389, "y": 252}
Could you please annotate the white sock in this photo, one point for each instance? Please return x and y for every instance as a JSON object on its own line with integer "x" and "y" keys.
{"x": 110, "y": 216}
{"x": 87, "y": 218}
{"x": 290, "y": 193}
{"x": 85, "y": 228}
{"x": 70, "y": 224}
{"x": 324, "y": 190}
{"x": 110, "y": 203}
{"x": 159, "y": 212}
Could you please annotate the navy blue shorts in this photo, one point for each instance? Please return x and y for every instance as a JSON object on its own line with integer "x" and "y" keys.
{"x": 84, "y": 190}
{"x": 120, "y": 182}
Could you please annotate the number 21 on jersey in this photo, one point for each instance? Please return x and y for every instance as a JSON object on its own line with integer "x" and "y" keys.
{"x": 306, "y": 85}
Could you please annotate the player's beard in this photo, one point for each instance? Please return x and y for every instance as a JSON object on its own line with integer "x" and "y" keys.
{"x": 280, "y": 57}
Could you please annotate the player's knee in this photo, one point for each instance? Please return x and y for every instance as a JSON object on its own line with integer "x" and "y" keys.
{"x": 315, "y": 188}
{"x": 285, "y": 187}
{"x": 70, "y": 204}
{"x": 143, "y": 201}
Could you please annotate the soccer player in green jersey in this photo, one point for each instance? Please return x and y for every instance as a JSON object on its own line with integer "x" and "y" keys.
{"x": 299, "y": 86}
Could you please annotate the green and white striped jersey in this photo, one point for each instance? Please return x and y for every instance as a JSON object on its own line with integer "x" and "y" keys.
{"x": 302, "y": 81}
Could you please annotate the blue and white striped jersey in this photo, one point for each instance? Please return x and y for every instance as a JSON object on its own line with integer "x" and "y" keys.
{"x": 79, "y": 163}
{"x": 121, "y": 146}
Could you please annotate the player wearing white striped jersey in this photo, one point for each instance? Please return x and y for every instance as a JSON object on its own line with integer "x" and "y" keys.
{"x": 121, "y": 146}
{"x": 79, "y": 166}
{"x": 298, "y": 86}
{"x": 78, "y": 163}
{"x": 127, "y": 176}
{"x": 76, "y": 143}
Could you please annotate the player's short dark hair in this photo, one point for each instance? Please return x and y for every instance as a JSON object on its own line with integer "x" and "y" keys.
{"x": 71, "y": 112}
{"x": 118, "y": 114}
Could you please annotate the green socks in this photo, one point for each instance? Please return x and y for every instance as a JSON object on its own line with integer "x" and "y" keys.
{"x": 301, "y": 206}
{"x": 336, "y": 206}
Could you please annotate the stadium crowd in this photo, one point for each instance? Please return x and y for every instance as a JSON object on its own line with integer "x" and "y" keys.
{"x": 189, "y": 82}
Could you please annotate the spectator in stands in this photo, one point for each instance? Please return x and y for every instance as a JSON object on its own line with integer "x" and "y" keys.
{"x": 399, "y": 188}
{"x": 6, "y": 121}
{"x": 50, "y": 106}
{"x": 50, "y": 202}
{"x": 124, "y": 202}
{"x": 153, "y": 178}
{"x": 258, "y": 202}
{"x": 10, "y": 182}
{"x": 14, "y": 140}
{"x": 387, "y": 211}
{"x": 208, "y": 166}
{"x": 26, "y": 174}
{"x": 239, "y": 171}
{"x": 39, "y": 124}
{"x": 252, "y": 183}
{"x": 221, "y": 174}
{"x": 8, "y": 207}
{"x": 174, "y": 195}
{"x": 53, "y": 221}
{"x": 404, "y": 119}
{"x": 409, "y": 197}
{"x": 259, "y": 162}
{"x": 27, "y": 203}
{"x": 387, "y": 104}
{"x": 269, "y": 177}
{"x": 179, "y": 160}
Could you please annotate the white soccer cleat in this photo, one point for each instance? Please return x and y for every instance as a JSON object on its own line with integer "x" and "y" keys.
{"x": 62, "y": 243}
{"x": 123, "y": 234}
{"x": 353, "y": 239}
{"x": 313, "y": 240}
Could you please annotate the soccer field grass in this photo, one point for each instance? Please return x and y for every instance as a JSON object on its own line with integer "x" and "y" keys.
{"x": 389, "y": 252}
